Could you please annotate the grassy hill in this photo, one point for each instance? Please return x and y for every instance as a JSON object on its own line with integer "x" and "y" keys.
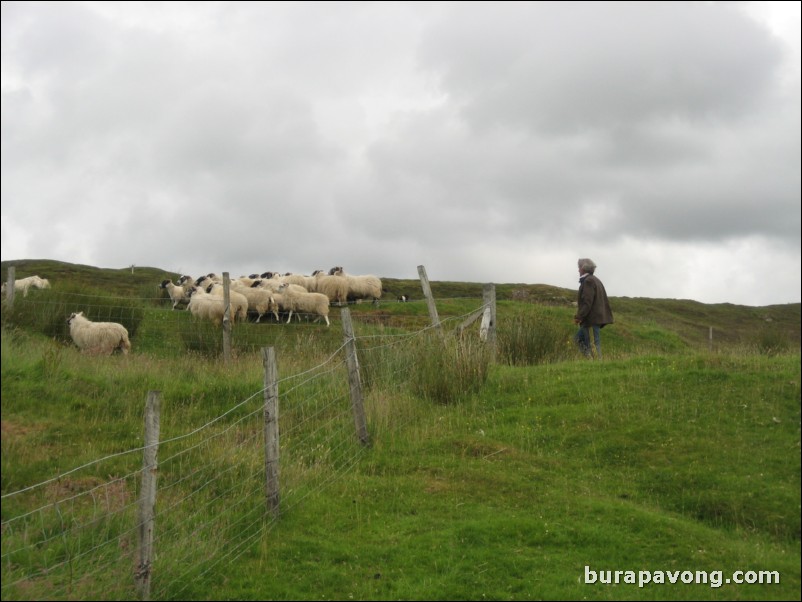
{"x": 689, "y": 321}
{"x": 666, "y": 458}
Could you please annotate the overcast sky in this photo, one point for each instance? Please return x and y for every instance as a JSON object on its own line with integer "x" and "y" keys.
{"x": 489, "y": 142}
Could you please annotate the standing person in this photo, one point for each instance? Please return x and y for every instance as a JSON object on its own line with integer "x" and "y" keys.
{"x": 593, "y": 308}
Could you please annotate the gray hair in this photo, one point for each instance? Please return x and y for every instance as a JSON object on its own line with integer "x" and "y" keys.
{"x": 586, "y": 265}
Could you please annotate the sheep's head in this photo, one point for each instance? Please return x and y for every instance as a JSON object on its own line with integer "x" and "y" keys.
{"x": 74, "y": 315}
{"x": 256, "y": 284}
{"x": 164, "y": 284}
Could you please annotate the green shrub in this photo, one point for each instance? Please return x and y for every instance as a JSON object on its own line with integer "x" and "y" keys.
{"x": 772, "y": 341}
{"x": 532, "y": 337}
{"x": 448, "y": 369}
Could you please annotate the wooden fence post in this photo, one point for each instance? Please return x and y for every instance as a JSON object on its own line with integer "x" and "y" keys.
{"x": 271, "y": 431}
{"x": 10, "y": 280}
{"x": 226, "y": 318}
{"x": 427, "y": 292}
{"x": 357, "y": 407}
{"x": 147, "y": 499}
{"x": 489, "y": 319}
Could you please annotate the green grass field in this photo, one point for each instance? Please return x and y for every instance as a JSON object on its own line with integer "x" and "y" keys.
{"x": 506, "y": 480}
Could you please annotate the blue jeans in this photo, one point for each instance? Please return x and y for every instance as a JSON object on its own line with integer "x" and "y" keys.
{"x": 581, "y": 339}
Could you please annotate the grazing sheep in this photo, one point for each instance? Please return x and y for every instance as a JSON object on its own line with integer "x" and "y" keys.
{"x": 312, "y": 303}
{"x": 23, "y": 285}
{"x": 403, "y": 298}
{"x": 205, "y": 306}
{"x": 298, "y": 279}
{"x": 238, "y": 301}
{"x": 283, "y": 305}
{"x": 98, "y": 337}
{"x": 273, "y": 285}
{"x": 360, "y": 287}
{"x": 260, "y": 300}
{"x": 334, "y": 287}
{"x": 178, "y": 294}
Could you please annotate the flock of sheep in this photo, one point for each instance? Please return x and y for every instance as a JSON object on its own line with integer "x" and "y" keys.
{"x": 271, "y": 293}
{"x": 258, "y": 294}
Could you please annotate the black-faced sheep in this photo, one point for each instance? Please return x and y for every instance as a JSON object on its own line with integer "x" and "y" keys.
{"x": 98, "y": 337}
{"x": 334, "y": 287}
{"x": 260, "y": 300}
{"x": 238, "y": 301}
{"x": 360, "y": 287}
{"x": 298, "y": 279}
{"x": 178, "y": 294}
{"x": 310, "y": 303}
{"x": 205, "y": 306}
{"x": 23, "y": 285}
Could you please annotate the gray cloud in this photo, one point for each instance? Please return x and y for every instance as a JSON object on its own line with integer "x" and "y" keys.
{"x": 490, "y": 142}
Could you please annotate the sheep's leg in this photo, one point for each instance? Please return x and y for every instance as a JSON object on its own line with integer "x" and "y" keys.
{"x": 290, "y": 318}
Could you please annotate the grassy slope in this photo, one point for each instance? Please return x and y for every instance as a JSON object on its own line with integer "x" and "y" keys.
{"x": 651, "y": 464}
{"x": 688, "y": 322}
{"x": 656, "y": 459}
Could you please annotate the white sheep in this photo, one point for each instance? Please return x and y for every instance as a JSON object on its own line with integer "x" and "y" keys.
{"x": 273, "y": 284}
{"x": 360, "y": 287}
{"x": 23, "y": 285}
{"x": 334, "y": 287}
{"x": 178, "y": 294}
{"x": 298, "y": 279}
{"x": 238, "y": 301}
{"x": 282, "y": 304}
{"x": 205, "y": 306}
{"x": 260, "y": 300}
{"x": 98, "y": 337}
{"x": 312, "y": 303}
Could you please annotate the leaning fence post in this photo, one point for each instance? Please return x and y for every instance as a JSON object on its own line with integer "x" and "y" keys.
{"x": 355, "y": 382}
{"x": 427, "y": 291}
{"x": 147, "y": 499}
{"x": 226, "y": 318}
{"x": 489, "y": 318}
{"x": 271, "y": 431}
{"x": 12, "y": 278}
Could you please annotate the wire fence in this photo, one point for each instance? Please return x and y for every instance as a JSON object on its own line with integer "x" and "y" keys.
{"x": 74, "y": 536}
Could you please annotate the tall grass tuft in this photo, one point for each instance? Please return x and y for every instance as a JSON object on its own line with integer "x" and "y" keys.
{"x": 533, "y": 337}
{"x": 449, "y": 369}
{"x": 772, "y": 341}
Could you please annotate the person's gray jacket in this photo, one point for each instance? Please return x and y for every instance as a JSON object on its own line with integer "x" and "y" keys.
{"x": 593, "y": 306}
